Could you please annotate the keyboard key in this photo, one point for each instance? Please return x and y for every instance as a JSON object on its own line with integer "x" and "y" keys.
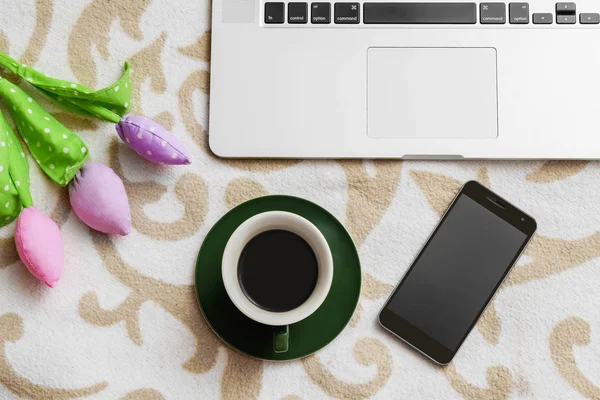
{"x": 492, "y": 13}
{"x": 320, "y": 13}
{"x": 274, "y": 13}
{"x": 518, "y": 13}
{"x": 565, "y": 19}
{"x": 589, "y": 18}
{"x": 420, "y": 13}
{"x": 542, "y": 18}
{"x": 347, "y": 13}
{"x": 297, "y": 13}
{"x": 565, "y": 8}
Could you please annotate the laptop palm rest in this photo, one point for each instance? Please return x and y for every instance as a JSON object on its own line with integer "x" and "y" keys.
{"x": 427, "y": 93}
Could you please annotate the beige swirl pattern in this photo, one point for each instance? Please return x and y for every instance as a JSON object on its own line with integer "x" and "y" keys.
{"x": 11, "y": 330}
{"x": 190, "y": 190}
{"x": 566, "y": 334}
{"x": 92, "y": 29}
{"x": 499, "y": 380}
{"x": 160, "y": 39}
{"x": 366, "y": 351}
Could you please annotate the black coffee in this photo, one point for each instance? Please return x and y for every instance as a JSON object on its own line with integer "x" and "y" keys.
{"x": 278, "y": 270}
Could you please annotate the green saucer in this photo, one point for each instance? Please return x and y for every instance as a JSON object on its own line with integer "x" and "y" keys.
{"x": 305, "y": 337}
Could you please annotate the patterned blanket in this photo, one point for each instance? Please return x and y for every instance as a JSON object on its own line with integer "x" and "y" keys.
{"x": 123, "y": 321}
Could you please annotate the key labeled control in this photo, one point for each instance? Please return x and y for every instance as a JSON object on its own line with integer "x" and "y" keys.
{"x": 297, "y": 13}
{"x": 492, "y": 13}
{"x": 346, "y": 13}
{"x": 320, "y": 13}
{"x": 274, "y": 13}
{"x": 518, "y": 13}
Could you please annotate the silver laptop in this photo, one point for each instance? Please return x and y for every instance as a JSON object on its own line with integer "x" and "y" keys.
{"x": 389, "y": 79}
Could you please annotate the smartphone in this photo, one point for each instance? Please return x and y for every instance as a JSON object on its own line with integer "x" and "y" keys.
{"x": 458, "y": 270}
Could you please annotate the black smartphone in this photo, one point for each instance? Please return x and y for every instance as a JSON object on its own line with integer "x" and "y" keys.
{"x": 458, "y": 270}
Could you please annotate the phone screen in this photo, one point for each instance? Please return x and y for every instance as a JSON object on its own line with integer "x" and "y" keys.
{"x": 457, "y": 272}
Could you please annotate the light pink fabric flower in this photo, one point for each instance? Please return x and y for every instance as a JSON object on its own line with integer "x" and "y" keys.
{"x": 99, "y": 199}
{"x": 40, "y": 246}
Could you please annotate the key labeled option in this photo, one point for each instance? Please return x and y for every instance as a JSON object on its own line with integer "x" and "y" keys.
{"x": 346, "y": 13}
{"x": 589, "y": 18}
{"x": 518, "y": 13}
{"x": 297, "y": 13}
{"x": 492, "y": 13}
{"x": 542, "y": 18}
{"x": 320, "y": 13}
{"x": 565, "y": 19}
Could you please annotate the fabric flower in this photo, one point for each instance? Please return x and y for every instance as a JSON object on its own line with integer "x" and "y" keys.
{"x": 58, "y": 151}
{"x": 99, "y": 199}
{"x": 37, "y": 237}
{"x": 110, "y": 104}
{"x": 39, "y": 244}
{"x": 97, "y": 194}
{"x": 151, "y": 141}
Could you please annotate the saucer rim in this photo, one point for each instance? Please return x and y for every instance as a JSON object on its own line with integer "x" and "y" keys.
{"x": 353, "y": 248}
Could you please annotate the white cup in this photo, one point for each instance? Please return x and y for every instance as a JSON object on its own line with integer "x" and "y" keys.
{"x": 275, "y": 220}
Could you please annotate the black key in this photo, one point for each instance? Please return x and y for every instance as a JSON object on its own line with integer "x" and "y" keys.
{"x": 565, "y": 8}
{"x": 492, "y": 13}
{"x": 420, "y": 13}
{"x": 518, "y": 13}
{"x": 542, "y": 18}
{"x": 565, "y": 19}
{"x": 320, "y": 13}
{"x": 589, "y": 18}
{"x": 274, "y": 13}
{"x": 297, "y": 13}
{"x": 346, "y": 13}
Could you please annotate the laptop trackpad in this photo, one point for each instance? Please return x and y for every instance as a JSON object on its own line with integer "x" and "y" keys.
{"x": 432, "y": 93}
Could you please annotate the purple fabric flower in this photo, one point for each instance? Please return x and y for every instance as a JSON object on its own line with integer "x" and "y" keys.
{"x": 152, "y": 141}
{"x": 99, "y": 199}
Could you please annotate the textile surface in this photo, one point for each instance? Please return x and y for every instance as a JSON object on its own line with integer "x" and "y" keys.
{"x": 123, "y": 322}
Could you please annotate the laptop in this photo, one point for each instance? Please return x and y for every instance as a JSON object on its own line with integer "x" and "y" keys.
{"x": 411, "y": 80}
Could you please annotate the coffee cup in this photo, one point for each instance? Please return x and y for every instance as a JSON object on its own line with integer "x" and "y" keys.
{"x": 277, "y": 270}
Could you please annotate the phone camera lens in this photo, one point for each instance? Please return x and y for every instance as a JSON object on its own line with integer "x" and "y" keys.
{"x": 523, "y": 219}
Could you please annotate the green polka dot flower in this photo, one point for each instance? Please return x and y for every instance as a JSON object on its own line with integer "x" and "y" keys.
{"x": 14, "y": 175}
{"x": 108, "y": 104}
{"x": 37, "y": 237}
{"x": 144, "y": 136}
{"x": 96, "y": 193}
{"x": 57, "y": 150}
{"x": 10, "y": 202}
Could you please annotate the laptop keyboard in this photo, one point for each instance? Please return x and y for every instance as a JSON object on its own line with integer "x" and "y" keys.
{"x": 489, "y": 13}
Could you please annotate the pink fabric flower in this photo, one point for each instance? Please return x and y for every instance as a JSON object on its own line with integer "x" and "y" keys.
{"x": 39, "y": 244}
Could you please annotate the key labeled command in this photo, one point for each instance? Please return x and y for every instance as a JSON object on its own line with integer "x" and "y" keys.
{"x": 347, "y": 13}
{"x": 492, "y": 13}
